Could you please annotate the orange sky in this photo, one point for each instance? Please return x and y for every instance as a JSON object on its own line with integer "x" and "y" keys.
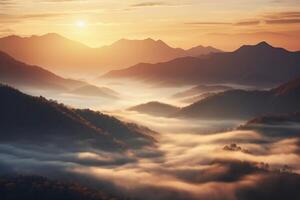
{"x": 225, "y": 24}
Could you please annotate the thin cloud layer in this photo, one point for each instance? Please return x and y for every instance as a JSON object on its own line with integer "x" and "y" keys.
{"x": 197, "y": 168}
{"x": 149, "y": 4}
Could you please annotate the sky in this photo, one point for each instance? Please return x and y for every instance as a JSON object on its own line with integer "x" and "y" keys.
{"x": 225, "y": 24}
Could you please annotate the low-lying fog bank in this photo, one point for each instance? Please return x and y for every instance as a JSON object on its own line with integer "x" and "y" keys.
{"x": 191, "y": 159}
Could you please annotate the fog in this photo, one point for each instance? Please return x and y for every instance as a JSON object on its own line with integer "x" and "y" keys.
{"x": 194, "y": 159}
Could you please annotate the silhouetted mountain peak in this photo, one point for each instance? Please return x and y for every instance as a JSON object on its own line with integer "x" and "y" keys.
{"x": 11, "y": 37}
{"x": 51, "y": 36}
{"x": 262, "y": 46}
{"x": 145, "y": 42}
{"x": 149, "y": 40}
{"x": 155, "y": 108}
{"x": 46, "y": 36}
{"x": 201, "y": 50}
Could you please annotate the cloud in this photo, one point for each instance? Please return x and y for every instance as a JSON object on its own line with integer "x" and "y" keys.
{"x": 6, "y": 2}
{"x": 158, "y": 4}
{"x": 188, "y": 170}
{"x": 242, "y": 23}
{"x": 292, "y": 17}
{"x": 41, "y": 15}
{"x": 149, "y": 4}
{"x": 286, "y": 14}
{"x": 208, "y": 23}
{"x": 283, "y": 21}
{"x": 248, "y": 23}
{"x": 6, "y": 31}
{"x": 15, "y": 18}
{"x": 187, "y": 165}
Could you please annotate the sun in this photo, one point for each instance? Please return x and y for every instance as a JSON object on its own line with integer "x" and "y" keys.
{"x": 81, "y": 24}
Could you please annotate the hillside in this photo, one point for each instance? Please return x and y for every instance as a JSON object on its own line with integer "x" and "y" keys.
{"x": 201, "y": 89}
{"x": 273, "y": 119}
{"x": 155, "y": 108}
{"x": 24, "y": 76}
{"x": 37, "y": 187}
{"x": 90, "y": 90}
{"x": 236, "y": 104}
{"x": 38, "y": 120}
{"x": 19, "y": 74}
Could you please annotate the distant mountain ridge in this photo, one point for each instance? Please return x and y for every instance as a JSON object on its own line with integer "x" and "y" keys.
{"x": 242, "y": 104}
{"x": 62, "y": 55}
{"x": 275, "y": 119}
{"x": 232, "y": 104}
{"x": 24, "y": 76}
{"x": 201, "y": 89}
{"x": 16, "y": 73}
{"x": 155, "y": 108}
{"x": 259, "y": 64}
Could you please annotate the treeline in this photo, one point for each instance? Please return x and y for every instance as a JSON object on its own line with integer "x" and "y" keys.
{"x": 40, "y": 188}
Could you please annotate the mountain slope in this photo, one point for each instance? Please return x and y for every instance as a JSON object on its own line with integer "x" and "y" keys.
{"x": 65, "y": 56}
{"x": 201, "y": 50}
{"x": 21, "y": 75}
{"x": 275, "y": 119}
{"x": 16, "y": 73}
{"x": 251, "y": 65}
{"x": 27, "y": 118}
{"x": 37, "y": 187}
{"x": 236, "y": 104}
{"x": 201, "y": 89}
{"x": 90, "y": 90}
{"x": 284, "y": 125}
{"x": 48, "y": 50}
{"x": 155, "y": 108}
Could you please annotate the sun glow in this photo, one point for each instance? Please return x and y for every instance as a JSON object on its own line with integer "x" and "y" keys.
{"x": 81, "y": 24}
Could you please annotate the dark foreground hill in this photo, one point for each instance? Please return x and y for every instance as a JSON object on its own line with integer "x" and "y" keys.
{"x": 41, "y": 188}
{"x": 24, "y": 118}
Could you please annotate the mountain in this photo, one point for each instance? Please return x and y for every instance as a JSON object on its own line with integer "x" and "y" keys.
{"x": 201, "y": 50}
{"x": 21, "y": 75}
{"x": 25, "y": 118}
{"x": 284, "y": 125}
{"x": 241, "y": 104}
{"x": 290, "y": 88}
{"x": 65, "y": 56}
{"x": 51, "y": 51}
{"x": 90, "y": 90}
{"x": 275, "y": 119}
{"x": 193, "y": 99}
{"x": 259, "y": 64}
{"x": 155, "y": 108}
{"x": 38, "y": 187}
{"x": 201, "y": 89}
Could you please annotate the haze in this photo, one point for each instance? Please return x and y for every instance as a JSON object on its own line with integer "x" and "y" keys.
{"x": 223, "y": 24}
{"x": 149, "y": 100}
